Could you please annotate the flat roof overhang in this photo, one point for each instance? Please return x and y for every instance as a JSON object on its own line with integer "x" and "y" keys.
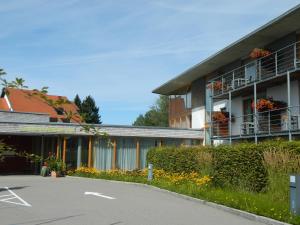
{"x": 275, "y": 29}
{"x": 69, "y": 129}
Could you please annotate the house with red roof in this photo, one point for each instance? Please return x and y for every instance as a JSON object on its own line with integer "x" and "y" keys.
{"x": 33, "y": 101}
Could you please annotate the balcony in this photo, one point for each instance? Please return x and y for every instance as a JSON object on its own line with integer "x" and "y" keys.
{"x": 262, "y": 69}
{"x": 277, "y": 122}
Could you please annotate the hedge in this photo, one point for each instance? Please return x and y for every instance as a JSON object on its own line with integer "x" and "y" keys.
{"x": 244, "y": 165}
{"x": 181, "y": 159}
{"x": 240, "y": 165}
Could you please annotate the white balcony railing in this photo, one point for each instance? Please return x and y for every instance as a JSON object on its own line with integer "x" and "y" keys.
{"x": 275, "y": 64}
{"x": 271, "y": 122}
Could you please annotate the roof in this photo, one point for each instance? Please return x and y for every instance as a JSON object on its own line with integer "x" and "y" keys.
{"x": 275, "y": 29}
{"x": 22, "y": 100}
{"x": 55, "y": 129}
{"x": 3, "y": 105}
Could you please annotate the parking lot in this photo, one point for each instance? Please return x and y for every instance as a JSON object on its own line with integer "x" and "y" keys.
{"x": 37, "y": 200}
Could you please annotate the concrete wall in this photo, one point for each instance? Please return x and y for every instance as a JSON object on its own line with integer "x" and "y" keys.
{"x": 6, "y": 116}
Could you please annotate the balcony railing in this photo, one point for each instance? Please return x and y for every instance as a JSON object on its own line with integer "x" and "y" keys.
{"x": 272, "y": 122}
{"x": 275, "y": 64}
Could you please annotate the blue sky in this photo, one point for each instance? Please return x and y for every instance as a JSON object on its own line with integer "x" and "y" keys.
{"x": 118, "y": 51}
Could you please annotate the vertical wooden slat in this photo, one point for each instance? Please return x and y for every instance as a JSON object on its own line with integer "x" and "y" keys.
{"x": 64, "y": 149}
{"x": 90, "y": 152}
{"x": 137, "y": 155}
{"x": 58, "y": 148}
{"x": 114, "y": 162}
{"x": 160, "y": 143}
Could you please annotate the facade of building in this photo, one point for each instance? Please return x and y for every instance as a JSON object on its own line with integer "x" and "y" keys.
{"x": 30, "y": 125}
{"x": 249, "y": 90}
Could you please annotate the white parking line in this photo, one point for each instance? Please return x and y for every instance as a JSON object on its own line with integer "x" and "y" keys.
{"x": 11, "y": 196}
{"x": 99, "y": 195}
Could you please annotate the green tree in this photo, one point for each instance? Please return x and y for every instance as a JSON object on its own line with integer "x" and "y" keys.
{"x": 89, "y": 111}
{"x": 78, "y": 102}
{"x": 157, "y": 115}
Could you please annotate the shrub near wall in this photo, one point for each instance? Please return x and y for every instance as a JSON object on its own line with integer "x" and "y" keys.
{"x": 240, "y": 166}
{"x": 181, "y": 159}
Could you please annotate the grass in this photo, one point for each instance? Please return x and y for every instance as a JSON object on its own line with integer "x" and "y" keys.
{"x": 272, "y": 203}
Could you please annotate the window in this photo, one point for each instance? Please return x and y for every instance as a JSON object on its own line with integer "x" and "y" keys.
{"x": 250, "y": 72}
{"x": 59, "y": 111}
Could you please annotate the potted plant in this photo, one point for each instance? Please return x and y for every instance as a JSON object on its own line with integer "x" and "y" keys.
{"x": 258, "y": 53}
{"x": 216, "y": 85}
{"x": 56, "y": 166}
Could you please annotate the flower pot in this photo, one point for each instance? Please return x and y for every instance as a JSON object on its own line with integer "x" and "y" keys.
{"x": 56, "y": 174}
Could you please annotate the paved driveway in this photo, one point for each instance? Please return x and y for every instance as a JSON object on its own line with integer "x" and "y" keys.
{"x": 37, "y": 200}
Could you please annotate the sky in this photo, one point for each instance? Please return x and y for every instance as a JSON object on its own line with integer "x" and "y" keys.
{"x": 118, "y": 51}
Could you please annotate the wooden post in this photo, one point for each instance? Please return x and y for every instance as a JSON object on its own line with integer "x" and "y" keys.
{"x": 90, "y": 163}
{"x": 64, "y": 149}
{"x": 137, "y": 155}
{"x": 160, "y": 143}
{"x": 114, "y": 162}
{"x": 58, "y": 148}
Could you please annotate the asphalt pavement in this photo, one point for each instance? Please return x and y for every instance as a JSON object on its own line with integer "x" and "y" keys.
{"x": 35, "y": 200}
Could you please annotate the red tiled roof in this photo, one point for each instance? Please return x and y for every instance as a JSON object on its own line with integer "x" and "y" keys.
{"x": 3, "y": 105}
{"x": 29, "y": 101}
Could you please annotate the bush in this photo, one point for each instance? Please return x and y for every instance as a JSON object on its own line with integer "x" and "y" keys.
{"x": 241, "y": 166}
{"x": 181, "y": 159}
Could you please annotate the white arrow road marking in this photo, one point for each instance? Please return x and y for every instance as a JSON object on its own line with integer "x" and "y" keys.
{"x": 12, "y": 195}
{"x": 99, "y": 195}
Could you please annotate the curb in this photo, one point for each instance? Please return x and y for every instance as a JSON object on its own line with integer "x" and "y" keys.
{"x": 244, "y": 214}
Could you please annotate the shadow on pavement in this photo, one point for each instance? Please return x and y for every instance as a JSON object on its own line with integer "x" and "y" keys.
{"x": 13, "y": 188}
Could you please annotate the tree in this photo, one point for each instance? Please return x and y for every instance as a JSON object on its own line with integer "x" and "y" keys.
{"x": 157, "y": 116}
{"x": 78, "y": 102}
{"x": 89, "y": 111}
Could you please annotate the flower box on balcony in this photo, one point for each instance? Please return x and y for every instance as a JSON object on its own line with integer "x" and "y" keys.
{"x": 258, "y": 53}
{"x": 216, "y": 85}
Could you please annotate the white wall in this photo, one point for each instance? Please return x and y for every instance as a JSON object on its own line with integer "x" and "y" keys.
{"x": 198, "y": 114}
{"x": 279, "y": 92}
{"x": 237, "y": 112}
{"x": 198, "y": 117}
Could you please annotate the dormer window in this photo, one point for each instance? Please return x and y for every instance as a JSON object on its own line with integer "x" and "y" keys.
{"x": 59, "y": 111}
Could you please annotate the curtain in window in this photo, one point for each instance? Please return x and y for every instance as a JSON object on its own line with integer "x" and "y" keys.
{"x": 172, "y": 142}
{"x": 145, "y": 145}
{"x": 126, "y": 153}
{"x": 103, "y": 152}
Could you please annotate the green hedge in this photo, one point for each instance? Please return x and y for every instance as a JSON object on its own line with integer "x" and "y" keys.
{"x": 240, "y": 165}
{"x": 181, "y": 159}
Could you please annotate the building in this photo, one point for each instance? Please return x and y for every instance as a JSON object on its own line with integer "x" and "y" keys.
{"x": 29, "y": 123}
{"x": 250, "y": 90}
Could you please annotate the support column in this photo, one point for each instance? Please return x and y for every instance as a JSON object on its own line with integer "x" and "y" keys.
{"x": 160, "y": 143}
{"x": 90, "y": 157}
{"x": 211, "y": 109}
{"x": 288, "y": 82}
{"x": 137, "y": 155}
{"x": 64, "y": 149}
{"x": 42, "y": 150}
{"x": 230, "y": 125}
{"x": 114, "y": 160}
{"x": 79, "y": 149}
{"x": 255, "y": 113}
{"x": 58, "y": 148}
